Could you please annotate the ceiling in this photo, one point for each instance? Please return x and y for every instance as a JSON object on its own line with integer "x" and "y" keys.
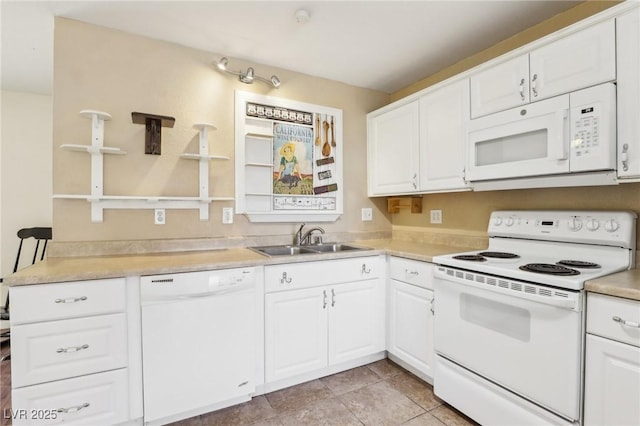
{"x": 380, "y": 45}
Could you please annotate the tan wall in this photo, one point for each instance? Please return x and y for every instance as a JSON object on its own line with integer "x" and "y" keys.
{"x": 470, "y": 210}
{"x": 116, "y": 72}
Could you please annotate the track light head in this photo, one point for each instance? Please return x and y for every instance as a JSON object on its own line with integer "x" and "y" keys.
{"x": 247, "y": 77}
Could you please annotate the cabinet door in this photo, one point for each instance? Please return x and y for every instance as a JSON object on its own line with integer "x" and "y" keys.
{"x": 628, "y": 27}
{"x": 356, "y": 320}
{"x": 295, "y": 332}
{"x": 392, "y": 151}
{"x": 579, "y": 60}
{"x": 444, "y": 115}
{"x": 411, "y": 326}
{"x": 503, "y": 86}
{"x": 612, "y": 383}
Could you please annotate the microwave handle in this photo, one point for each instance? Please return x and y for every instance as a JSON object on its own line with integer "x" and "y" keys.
{"x": 557, "y": 149}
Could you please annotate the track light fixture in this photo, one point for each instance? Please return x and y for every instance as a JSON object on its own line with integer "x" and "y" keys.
{"x": 247, "y": 77}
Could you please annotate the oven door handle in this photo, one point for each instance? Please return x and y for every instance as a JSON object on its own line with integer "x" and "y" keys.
{"x": 551, "y": 300}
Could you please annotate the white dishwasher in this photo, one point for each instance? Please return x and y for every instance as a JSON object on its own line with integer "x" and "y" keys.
{"x": 198, "y": 342}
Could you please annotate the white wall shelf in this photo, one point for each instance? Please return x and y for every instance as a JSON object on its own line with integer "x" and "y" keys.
{"x": 100, "y": 202}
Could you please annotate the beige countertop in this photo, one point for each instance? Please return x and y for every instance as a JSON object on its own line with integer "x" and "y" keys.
{"x": 59, "y": 269}
{"x": 623, "y": 284}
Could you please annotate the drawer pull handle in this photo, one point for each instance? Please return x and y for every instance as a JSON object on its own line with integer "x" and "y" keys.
{"x": 285, "y": 279}
{"x": 72, "y": 299}
{"x": 73, "y": 409}
{"x": 365, "y": 270}
{"x": 72, "y": 349}
{"x": 324, "y": 299}
{"x": 408, "y": 272}
{"x": 627, "y": 323}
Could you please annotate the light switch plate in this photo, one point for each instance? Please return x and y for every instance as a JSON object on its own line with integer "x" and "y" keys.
{"x": 367, "y": 214}
{"x": 159, "y": 217}
{"x": 227, "y": 215}
{"x": 436, "y": 216}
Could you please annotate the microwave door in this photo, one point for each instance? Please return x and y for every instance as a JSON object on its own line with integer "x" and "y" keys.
{"x": 521, "y": 142}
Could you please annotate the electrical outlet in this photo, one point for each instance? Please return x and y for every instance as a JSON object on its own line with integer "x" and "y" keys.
{"x": 159, "y": 217}
{"x": 436, "y": 216}
{"x": 227, "y": 215}
{"x": 367, "y": 214}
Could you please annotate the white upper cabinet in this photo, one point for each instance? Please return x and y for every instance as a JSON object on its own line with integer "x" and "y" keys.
{"x": 579, "y": 60}
{"x": 444, "y": 116}
{"x": 500, "y": 87}
{"x": 628, "y": 33}
{"x": 393, "y": 150}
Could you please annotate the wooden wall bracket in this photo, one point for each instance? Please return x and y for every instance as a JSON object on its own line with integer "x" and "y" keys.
{"x": 395, "y": 204}
{"x": 153, "y": 123}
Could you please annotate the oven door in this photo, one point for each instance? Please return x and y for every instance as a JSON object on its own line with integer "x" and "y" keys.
{"x": 520, "y": 336}
{"x": 531, "y": 140}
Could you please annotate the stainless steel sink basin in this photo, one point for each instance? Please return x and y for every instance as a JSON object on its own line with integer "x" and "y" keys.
{"x": 289, "y": 250}
{"x": 334, "y": 248}
{"x": 283, "y": 250}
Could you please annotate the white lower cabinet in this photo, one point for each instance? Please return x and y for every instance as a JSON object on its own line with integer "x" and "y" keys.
{"x": 70, "y": 354}
{"x": 410, "y": 320}
{"x": 612, "y": 365}
{"x": 313, "y": 319}
{"x": 96, "y": 399}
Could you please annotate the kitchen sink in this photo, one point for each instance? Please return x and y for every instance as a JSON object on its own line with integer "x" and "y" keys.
{"x": 289, "y": 250}
{"x": 334, "y": 248}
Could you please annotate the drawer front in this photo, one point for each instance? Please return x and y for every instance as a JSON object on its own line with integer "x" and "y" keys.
{"x": 312, "y": 274}
{"x": 97, "y": 399}
{"x": 411, "y": 272}
{"x": 57, "y": 350}
{"x": 35, "y": 303}
{"x": 614, "y": 318}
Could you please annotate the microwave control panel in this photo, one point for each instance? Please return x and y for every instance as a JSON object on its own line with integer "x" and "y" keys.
{"x": 592, "y": 127}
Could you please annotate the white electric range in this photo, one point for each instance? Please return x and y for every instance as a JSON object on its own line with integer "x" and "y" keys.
{"x": 509, "y": 320}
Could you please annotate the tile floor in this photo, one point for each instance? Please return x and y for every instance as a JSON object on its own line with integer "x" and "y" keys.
{"x": 381, "y": 393}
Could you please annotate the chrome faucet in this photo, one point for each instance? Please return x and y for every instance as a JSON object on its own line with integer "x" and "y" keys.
{"x": 305, "y": 239}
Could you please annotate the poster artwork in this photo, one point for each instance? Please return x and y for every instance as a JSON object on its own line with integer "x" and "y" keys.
{"x": 293, "y": 159}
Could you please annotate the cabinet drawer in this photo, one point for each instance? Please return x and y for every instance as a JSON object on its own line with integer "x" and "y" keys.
{"x": 411, "y": 272}
{"x": 605, "y": 316}
{"x": 57, "y": 350}
{"x": 311, "y": 274}
{"x": 35, "y": 303}
{"x": 97, "y": 399}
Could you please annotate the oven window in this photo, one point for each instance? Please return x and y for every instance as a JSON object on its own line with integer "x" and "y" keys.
{"x": 520, "y": 147}
{"x": 502, "y": 318}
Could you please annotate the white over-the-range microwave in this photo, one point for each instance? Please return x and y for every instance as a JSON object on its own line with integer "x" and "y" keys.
{"x": 568, "y": 140}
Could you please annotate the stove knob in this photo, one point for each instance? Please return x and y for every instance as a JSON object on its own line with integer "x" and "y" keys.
{"x": 575, "y": 224}
{"x": 508, "y": 221}
{"x": 497, "y": 221}
{"x": 593, "y": 225}
{"x": 611, "y": 225}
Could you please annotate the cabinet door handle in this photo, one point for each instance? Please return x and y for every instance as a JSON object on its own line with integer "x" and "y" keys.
{"x": 431, "y": 307}
{"x": 324, "y": 299}
{"x": 285, "y": 279}
{"x": 72, "y": 349}
{"x": 522, "y": 89}
{"x": 333, "y": 298}
{"x": 73, "y": 409}
{"x": 627, "y": 323}
{"x": 415, "y": 182}
{"x": 534, "y": 85}
{"x": 624, "y": 157}
{"x": 71, "y": 299}
{"x": 365, "y": 270}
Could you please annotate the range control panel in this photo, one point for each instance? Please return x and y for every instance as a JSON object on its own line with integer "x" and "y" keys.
{"x": 612, "y": 228}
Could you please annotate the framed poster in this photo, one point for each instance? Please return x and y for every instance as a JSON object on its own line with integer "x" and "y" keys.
{"x": 288, "y": 160}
